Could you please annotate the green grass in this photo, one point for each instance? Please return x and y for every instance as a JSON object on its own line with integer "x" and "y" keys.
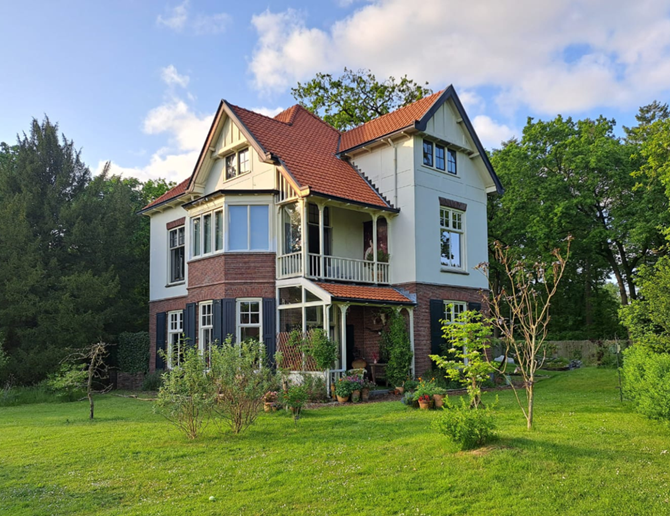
{"x": 588, "y": 454}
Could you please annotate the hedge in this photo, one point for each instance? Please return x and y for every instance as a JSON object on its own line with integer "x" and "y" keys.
{"x": 133, "y": 352}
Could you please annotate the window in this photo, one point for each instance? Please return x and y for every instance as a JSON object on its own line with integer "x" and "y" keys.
{"x": 206, "y": 331}
{"x": 176, "y": 265}
{"x": 439, "y": 157}
{"x": 237, "y": 163}
{"x": 249, "y": 320}
{"x": 196, "y": 237}
{"x": 451, "y": 238}
{"x": 428, "y": 153}
{"x": 451, "y": 161}
{"x": 231, "y": 166}
{"x": 218, "y": 230}
{"x": 248, "y": 228}
{"x": 452, "y": 309}
{"x": 207, "y": 233}
{"x": 175, "y": 350}
{"x": 243, "y": 158}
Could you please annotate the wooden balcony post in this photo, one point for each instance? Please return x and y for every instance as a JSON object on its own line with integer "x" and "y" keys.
{"x": 303, "y": 237}
{"x": 321, "y": 240}
{"x": 410, "y": 311}
{"x": 375, "y": 216}
{"x": 343, "y": 335}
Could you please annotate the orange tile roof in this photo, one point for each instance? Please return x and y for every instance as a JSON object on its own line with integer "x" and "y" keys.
{"x": 387, "y": 124}
{"x": 170, "y": 194}
{"x": 361, "y": 293}
{"x": 307, "y": 145}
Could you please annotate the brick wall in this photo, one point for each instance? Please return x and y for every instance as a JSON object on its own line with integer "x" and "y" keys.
{"x": 229, "y": 275}
{"x": 424, "y": 293}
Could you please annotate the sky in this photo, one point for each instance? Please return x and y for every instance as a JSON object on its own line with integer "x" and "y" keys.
{"x": 138, "y": 82}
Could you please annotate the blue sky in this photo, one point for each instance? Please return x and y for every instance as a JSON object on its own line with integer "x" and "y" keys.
{"x": 137, "y": 82}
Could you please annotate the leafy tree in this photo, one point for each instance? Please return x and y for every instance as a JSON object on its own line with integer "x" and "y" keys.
{"x": 354, "y": 98}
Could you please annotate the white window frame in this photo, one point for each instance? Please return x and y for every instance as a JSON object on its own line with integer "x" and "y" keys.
{"x": 171, "y": 281}
{"x": 238, "y": 318}
{"x": 200, "y": 218}
{"x": 452, "y": 309}
{"x": 455, "y": 223}
{"x": 205, "y": 330}
{"x": 447, "y": 152}
{"x": 248, "y": 249}
{"x": 175, "y": 331}
{"x": 236, "y": 157}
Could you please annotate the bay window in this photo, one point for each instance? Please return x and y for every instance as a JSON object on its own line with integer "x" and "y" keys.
{"x": 451, "y": 238}
{"x": 248, "y": 228}
{"x": 207, "y": 235}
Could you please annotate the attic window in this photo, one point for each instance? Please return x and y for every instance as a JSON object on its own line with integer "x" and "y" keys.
{"x": 238, "y": 163}
{"x": 442, "y": 159}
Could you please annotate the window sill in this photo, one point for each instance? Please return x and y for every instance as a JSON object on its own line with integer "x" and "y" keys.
{"x": 454, "y": 271}
{"x": 441, "y": 172}
{"x": 227, "y": 253}
{"x": 229, "y": 179}
{"x": 175, "y": 284}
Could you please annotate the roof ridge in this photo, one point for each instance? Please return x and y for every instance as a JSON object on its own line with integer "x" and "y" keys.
{"x": 402, "y": 108}
{"x": 317, "y": 117}
{"x": 292, "y": 109}
{"x": 256, "y": 113}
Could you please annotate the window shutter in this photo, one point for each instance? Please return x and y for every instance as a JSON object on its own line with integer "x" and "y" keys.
{"x": 189, "y": 324}
{"x": 270, "y": 328}
{"x": 477, "y": 307}
{"x": 436, "y": 315}
{"x": 217, "y": 321}
{"x": 228, "y": 318}
{"x": 161, "y": 329}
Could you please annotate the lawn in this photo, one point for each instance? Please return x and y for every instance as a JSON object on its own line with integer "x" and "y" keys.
{"x": 588, "y": 454}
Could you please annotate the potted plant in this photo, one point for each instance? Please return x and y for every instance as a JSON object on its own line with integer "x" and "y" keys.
{"x": 438, "y": 397}
{"x": 426, "y": 390}
{"x": 366, "y": 388}
{"x": 269, "y": 399}
{"x": 355, "y": 397}
{"x": 424, "y": 402}
{"x": 343, "y": 390}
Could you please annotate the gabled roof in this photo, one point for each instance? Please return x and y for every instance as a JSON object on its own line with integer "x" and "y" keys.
{"x": 306, "y": 146}
{"x": 173, "y": 193}
{"x": 379, "y": 295}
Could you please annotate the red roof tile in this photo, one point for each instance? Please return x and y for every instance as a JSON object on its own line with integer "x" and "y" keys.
{"x": 388, "y": 123}
{"x": 307, "y": 145}
{"x": 170, "y": 194}
{"x": 357, "y": 292}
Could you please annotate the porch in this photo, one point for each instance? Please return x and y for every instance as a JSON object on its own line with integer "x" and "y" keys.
{"x": 333, "y": 242}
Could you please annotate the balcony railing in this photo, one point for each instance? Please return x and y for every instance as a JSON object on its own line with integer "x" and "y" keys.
{"x": 333, "y": 268}
{"x": 289, "y": 265}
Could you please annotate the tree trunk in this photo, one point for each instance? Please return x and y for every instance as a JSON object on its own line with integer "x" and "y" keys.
{"x": 90, "y": 400}
{"x": 529, "y": 391}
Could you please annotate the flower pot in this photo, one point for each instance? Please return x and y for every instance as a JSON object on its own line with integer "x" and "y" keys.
{"x": 356, "y": 394}
{"x": 267, "y": 407}
{"x": 342, "y": 399}
{"x": 424, "y": 405}
{"x": 400, "y": 390}
{"x": 365, "y": 394}
{"x": 439, "y": 400}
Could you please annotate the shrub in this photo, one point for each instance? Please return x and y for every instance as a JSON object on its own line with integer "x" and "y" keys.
{"x": 186, "y": 397}
{"x": 321, "y": 348}
{"x": 315, "y": 387}
{"x": 295, "y": 398}
{"x": 133, "y": 352}
{"x": 153, "y": 381}
{"x": 469, "y": 428}
{"x": 241, "y": 379}
{"x": 398, "y": 348}
{"x": 68, "y": 382}
{"x": 646, "y": 381}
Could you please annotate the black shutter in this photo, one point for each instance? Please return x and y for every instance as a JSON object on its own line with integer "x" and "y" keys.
{"x": 436, "y": 316}
{"x": 189, "y": 324}
{"x": 270, "y": 328}
{"x": 228, "y": 318}
{"x": 161, "y": 329}
{"x": 217, "y": 321}
{"x": 477, "y": 307}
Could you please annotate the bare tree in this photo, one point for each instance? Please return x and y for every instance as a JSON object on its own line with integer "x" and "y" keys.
{"x": 528, "y": 299}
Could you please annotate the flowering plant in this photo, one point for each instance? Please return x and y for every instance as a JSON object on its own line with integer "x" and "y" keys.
{"x": 343, "y": 388}
{"x": 270, "y": 396}
{"x": 369, "y": 384}
{"x": 424, "y": 399}
{"x": 426, "y": 388}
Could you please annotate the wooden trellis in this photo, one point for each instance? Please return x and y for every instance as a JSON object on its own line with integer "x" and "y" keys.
{"x": 294, "y": 358}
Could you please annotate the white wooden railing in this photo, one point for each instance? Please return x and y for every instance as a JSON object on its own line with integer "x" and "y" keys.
{"x": 289, "y": 265}
{"x": 347, "y": 269}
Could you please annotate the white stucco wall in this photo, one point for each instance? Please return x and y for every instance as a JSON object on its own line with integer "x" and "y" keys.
{"x": 158, "y": 267}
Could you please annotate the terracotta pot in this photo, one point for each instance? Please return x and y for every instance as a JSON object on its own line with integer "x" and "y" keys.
{"x": 356, "y": 394}
{"x": 400, "y": 390}
{"x": 365, "y": 394}
{"x": 267, "y": 407}
{"x": 439, "y": 400}
{"x": 424, "y": 405}
{"x": 341, "y": 399}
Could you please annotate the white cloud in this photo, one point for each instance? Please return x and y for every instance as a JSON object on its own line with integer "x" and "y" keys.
{"x": 490, "y": 132}
{"x": 171, "y": 77}
{"x": 271, "y": 112}
{"x": 179, "y": 17}
{"x": 570, "y": 55}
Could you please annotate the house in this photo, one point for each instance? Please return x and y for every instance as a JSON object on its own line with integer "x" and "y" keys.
{"x": 287, "y": 223}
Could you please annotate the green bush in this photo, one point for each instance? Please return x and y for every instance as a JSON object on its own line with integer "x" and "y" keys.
{"x": 469, "y": 428}
{"x": 315, "y": 387}
{"x": 153, "y": 381}
{"x": 399, "y": 349}
{"x": 133, "y": 352}
{"x": 321, "y": 348}
{"x": 646, "y": 381}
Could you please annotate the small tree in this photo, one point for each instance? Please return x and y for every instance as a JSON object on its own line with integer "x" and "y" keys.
{"x": 321, "y": 348}
{"x": 83, "y": 371}
{"x": 399, "y": 349}
{"x": 527, "y": 300}
{"x": 241, "y": 379}
{"x": 187, "y": 395}
{"x": 468, "y": 339}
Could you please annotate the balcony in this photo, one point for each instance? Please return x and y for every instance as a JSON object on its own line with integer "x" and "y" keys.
{"x": 333, "y": 268}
